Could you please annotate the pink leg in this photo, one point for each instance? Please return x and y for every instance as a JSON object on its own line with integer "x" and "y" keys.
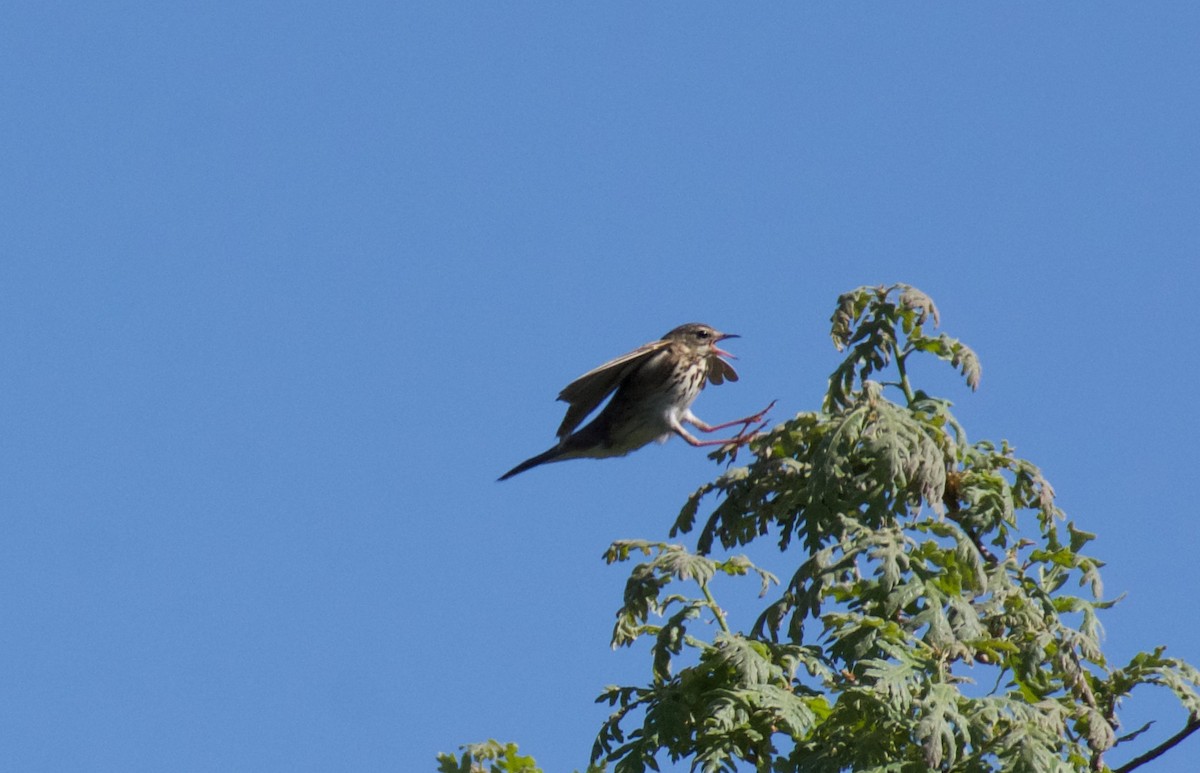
{"x": 690, "y": 418}
{"x": 744, "y": 436}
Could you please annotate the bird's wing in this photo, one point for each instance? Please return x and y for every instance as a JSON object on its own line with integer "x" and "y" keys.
{"x": 720, "y": 371}
{"x": 585, "y": 393}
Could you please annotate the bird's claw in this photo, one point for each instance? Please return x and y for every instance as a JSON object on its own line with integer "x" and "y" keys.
{"x": 744, "y": 437}
{"x": 746, "y": 433}
{"x": 748, "y": 436}
{"x": 759, "y": 416}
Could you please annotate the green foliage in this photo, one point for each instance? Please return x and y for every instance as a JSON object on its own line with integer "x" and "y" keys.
{"x": 744, "y": 688}
{"x": 503, "y": 757}
{"x": 941, "y": 615}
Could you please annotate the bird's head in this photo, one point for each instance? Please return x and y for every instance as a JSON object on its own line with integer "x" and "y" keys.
{"x": 700, "y": 338}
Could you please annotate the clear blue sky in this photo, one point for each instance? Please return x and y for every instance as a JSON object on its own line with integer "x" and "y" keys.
{"x": 284, "y": 287}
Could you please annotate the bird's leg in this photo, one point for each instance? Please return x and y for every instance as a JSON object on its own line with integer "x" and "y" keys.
{"x": 691, "y": 418}
{"x": 741, "y": 439}
{"x": 745, "y": 435}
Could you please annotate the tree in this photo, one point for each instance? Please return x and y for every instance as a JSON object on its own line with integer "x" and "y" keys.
{"x": 931, "y": 622}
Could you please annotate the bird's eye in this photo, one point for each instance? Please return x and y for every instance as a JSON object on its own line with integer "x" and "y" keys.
{"x": 702, "y": 334}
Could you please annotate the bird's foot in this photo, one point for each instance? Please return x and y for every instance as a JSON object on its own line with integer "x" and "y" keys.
{"x": 745, "y": 423}
{"x": 746, "y": 434}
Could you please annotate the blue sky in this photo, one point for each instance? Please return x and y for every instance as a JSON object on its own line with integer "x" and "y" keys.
{"x": 283, "y": 289}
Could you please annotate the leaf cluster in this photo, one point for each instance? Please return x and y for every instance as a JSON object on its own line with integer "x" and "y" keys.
{"x": 488, "y": 757}
{"x": 745, "y": 689}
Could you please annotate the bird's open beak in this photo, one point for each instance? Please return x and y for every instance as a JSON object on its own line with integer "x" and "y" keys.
{"x": 721, "y": 352}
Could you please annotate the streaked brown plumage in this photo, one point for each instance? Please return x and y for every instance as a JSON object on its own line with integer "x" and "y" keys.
{"x": 652, "y": 391}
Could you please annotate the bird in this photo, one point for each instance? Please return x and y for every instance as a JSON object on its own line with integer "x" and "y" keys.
{"x": 652, "y": 390}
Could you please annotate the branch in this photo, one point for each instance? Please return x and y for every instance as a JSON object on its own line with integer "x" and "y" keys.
{"x": 901, "y": 356}
{"x": 1192, "y": 726}
{"x": 716, "y": 610}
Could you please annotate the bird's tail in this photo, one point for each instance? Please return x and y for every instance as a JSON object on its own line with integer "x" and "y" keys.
{"x": 556, "y": 454}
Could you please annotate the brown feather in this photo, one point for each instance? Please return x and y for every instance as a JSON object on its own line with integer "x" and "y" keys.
{"x": 585, "y": 393}
{"x": 720, "y": 371}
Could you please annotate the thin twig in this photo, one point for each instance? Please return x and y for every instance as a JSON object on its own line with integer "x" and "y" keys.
{"x": 1192, "y": 726}
{"x": 909, "y": 397}
{"x": 716, "y": 610}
